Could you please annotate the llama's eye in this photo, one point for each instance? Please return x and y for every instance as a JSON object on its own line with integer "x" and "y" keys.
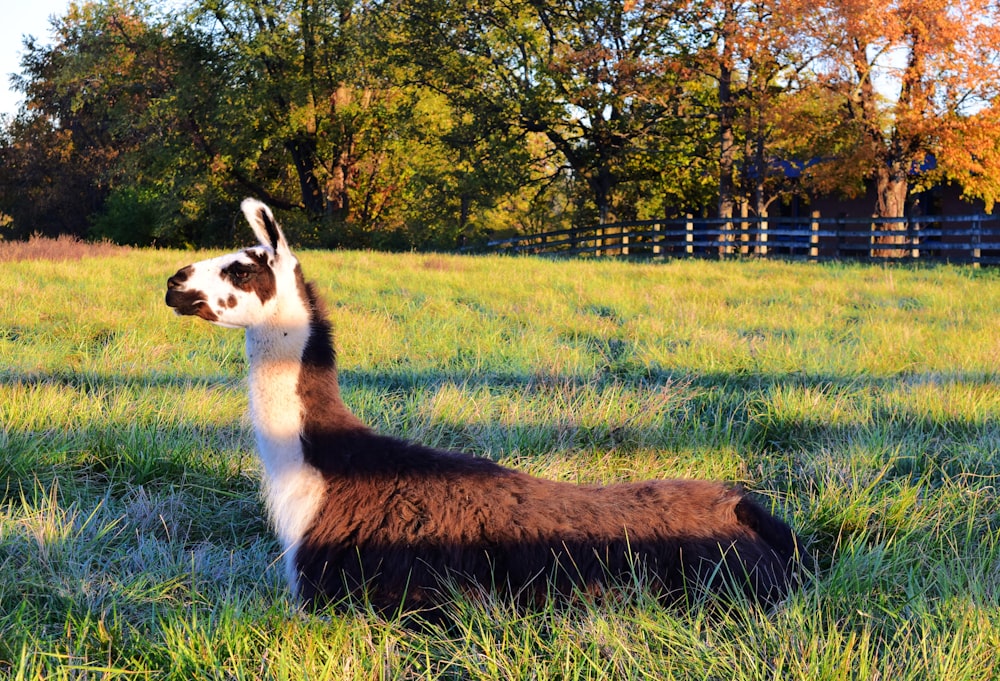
{"x": 240, "y": 274}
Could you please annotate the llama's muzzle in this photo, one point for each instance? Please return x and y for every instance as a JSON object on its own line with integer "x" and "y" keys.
{"x": 187, "y": 301}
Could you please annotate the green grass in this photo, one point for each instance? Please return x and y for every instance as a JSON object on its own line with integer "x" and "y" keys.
{"x": 860, "y": 402}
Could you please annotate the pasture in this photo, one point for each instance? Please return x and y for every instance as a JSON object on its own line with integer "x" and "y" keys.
{"x": 861, "y": 403}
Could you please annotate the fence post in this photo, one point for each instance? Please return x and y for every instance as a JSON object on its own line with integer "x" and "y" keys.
{"x": 875, "y": 227}
{"x": 625, "y": 236}
{"x": 914, "y": 229}
{"x": 814, "y": 236}
{"x": 744, "y": 228}
{"x": 762, "y": 238}
{"x": 656, "y": 239}
{"x": 689, "y": 234}
{"x": 977, "y": 252}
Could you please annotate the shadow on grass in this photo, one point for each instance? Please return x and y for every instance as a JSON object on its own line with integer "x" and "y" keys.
{"x": 791, "y": 452}
{"x": 673, "y": 410}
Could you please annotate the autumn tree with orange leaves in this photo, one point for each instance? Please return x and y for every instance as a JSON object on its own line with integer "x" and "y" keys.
{"x": 918, "y": 81}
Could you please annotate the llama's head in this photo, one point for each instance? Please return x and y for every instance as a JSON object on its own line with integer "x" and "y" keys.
{"x": 241, "y": 289}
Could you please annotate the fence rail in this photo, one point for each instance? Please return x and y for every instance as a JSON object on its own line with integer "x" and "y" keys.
{"x": 972, "y": 239}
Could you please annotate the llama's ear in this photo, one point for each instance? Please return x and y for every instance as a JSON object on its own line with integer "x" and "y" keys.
{"x": 264, "y": 225}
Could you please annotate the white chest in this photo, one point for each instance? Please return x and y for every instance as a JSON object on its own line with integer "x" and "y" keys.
{"x": 293, "y": 490}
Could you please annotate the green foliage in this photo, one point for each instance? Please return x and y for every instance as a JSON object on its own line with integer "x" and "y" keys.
{"x": 329, "y": 110}
{"x": 129, "y": 217}
{"x": 860, "y": 402}
{"x": 425, "y": 124}
{"x": 593, "y": 79}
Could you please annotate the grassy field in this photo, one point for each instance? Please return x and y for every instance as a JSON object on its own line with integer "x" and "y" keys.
{"x": 862, "y": 403}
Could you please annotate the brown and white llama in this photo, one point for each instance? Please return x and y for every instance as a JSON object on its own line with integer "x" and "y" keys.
{"x": 362, "y": 513}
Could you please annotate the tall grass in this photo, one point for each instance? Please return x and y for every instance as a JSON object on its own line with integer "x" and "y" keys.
{"x": 860, "y": 402}
{"x": 60, "y": 248}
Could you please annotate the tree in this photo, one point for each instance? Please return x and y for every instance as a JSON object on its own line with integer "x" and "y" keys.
{"x": 815, "y": 144}
{"x": 747, "y": 50}
{"x": 596, "y": 78}
{"x": 60, "y": 154}
{"x": 295, "y": 81}
{"x": 970, "y": 155}
{"x": 914, "y": 76}
{"x": 172, "y": 119}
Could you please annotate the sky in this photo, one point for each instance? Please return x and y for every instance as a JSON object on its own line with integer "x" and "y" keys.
{"x": 21, "y": 18}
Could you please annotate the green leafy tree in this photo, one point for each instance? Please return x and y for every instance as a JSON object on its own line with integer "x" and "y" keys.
{"x": 300, "y": 118}
{"x": 111, "y": 141}
{"x": 594, "y": 78}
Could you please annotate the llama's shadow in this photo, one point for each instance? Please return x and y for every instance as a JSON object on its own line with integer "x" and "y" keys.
{"x": 88, "y": 382}
{"x": 669, "y": 412}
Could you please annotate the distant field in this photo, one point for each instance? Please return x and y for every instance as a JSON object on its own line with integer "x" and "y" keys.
{"x": 862, "y": 403}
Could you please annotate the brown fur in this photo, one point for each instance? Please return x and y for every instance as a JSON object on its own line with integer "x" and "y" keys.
{"x": 256, "y": 278}
{"x": 398, "y": 518}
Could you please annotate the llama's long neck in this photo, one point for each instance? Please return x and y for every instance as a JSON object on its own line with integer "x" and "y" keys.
{"x": 274, "y": 353}
{"x": 292, "y": 374}
{"x": 329, "y": 428}
{"x": 294, "y": 391}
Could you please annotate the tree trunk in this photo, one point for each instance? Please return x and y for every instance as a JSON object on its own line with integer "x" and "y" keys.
{"x": 727, "y": 145}
{"x": 892, "y": 191}
{"x": 303, "y": 151}
{"x": 601, "y": 184}
{"x": 726, "y": 164}
{"x": 727, "y": 116}
{"x": 338, "y": 200}
{"x": 891, "y": 188}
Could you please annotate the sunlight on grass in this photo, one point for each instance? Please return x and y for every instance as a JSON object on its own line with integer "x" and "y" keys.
{"x": 860, "y": 402}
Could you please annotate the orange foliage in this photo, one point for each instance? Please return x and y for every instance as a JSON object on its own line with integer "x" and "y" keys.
{"x": 919, "y": 77}
{"x": 971, "y": 155}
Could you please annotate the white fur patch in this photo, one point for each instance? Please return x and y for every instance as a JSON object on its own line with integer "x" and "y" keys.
{"x": 293, "y": 490}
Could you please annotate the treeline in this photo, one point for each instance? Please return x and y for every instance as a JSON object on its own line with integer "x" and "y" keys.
{"x": 428, "y": 123}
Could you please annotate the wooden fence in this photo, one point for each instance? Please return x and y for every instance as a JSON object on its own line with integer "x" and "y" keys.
{"x": 972, "y": 239}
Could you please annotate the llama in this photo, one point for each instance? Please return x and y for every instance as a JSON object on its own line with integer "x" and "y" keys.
{"x": 403, "y": 525}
